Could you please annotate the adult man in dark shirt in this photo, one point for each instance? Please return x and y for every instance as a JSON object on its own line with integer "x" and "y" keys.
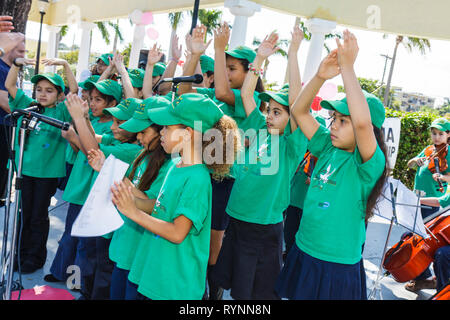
{"x": 5, "y": 64}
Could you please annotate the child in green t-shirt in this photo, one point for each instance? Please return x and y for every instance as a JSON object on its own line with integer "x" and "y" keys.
{"x": 426, "y": 179}
{"x": 251, "y": 255}
{"x": 325, "y": 262}
{"x": 145, "y": 176}
{"x": 179, "y": 227}
{"x": 43, "y": 157}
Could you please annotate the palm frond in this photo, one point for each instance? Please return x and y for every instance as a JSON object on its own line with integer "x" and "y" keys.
{"x": 175, "y": 19}
{"x": 103, "y": 31}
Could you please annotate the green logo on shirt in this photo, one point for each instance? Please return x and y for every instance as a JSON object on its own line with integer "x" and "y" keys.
{"x": 324, "y": 178}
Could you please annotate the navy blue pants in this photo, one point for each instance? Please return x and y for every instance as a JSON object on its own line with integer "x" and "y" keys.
{"x": 119, "y": 278}
{"x": 96, "y": 268}
{"x": 66, "y": 255}
{"x": 131, "y": 292}
{"x": 36, "y": 196}
{"x": 441, "y": 267}
{"x": 292, "y": 219}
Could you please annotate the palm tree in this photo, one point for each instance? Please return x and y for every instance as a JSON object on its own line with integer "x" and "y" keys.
{"x": 210, "y": 19}
{"x": 175, "y": 19}
{"x": 102, "y": 27}
{"x": 410, "y": 44}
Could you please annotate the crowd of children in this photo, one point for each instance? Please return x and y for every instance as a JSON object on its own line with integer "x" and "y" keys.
{"x": 274, "y": 205}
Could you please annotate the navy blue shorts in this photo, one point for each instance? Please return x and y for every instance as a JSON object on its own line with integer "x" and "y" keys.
{"x": 304, "y": 277}
{"x": 250, "y": 260}
{"x": 220, "y": 194}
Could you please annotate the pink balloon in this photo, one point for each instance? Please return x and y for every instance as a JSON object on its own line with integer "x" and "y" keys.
{"x": 316, "y": 103}
{"x": 328, "y": 91}
{"x": 152, "y": 34}
{"x": 147, "y": 18}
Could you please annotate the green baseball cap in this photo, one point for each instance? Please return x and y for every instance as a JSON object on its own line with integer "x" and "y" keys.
{"x": 136, "y": 77}
{"x": 377, "y": 112}
{"x": 93, "y": 78}
{"x": 140, "y": 119}
{"x": 187, "y": 109}
{"x": 441, "y": 124}
{"x": 242, "y": 52}
{"x": 282, "y": 96}
{"x": 104, "y": 57}
{"x": 125, "y": 109}
{"x": 158, "y": 69}
{"x": 206, "y": 63}
{"x": 51, "y": 77}
{"x": 108, "y": 87}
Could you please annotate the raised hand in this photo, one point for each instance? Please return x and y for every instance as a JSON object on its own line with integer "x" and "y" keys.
{"x": 348, "y": 51}
{"x": 6, "y": 24}
{"x": 221, "y": 36}
{"x": 176, "y": 49}
{"x": 118, "y": 63}
{"x": 329, "y": 67}
{"x": 96, "y": 158}
{"x": 24, "y": 61}
{"x": 54, "y": 62}
{"x": 198, "y": 45}
{"x": 76, "y": 106}
{"x": 154, "y": 55}
{"x": 268, "y": 46}
{"x": 296, "y": 39}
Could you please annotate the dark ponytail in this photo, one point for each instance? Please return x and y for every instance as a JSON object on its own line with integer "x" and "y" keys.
{"x": 157, "y": 157}
{"x": 378, "y": 188}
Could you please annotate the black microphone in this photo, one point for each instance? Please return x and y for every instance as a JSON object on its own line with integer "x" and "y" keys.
{"x": 196, "y": 78}
{"x": 48, "y": 120}
{"x": 33, "y": 107}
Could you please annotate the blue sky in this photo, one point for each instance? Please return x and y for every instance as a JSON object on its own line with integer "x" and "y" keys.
{"x": 427, "y": 74}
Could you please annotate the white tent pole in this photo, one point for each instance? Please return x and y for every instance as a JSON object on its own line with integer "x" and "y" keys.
{"x": 83, "y": 56}
{"x": 318, "y": 28}
{"x": 242, "y": 10}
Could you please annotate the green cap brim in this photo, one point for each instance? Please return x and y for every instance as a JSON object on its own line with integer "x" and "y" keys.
{"x": 117, "y": 113}
{"x": 136, "y": 125}
{"x": 163, "y": 117}
{"x": 35, "y": 79}
{"x": 438, "y": 126}
{"x": 336, "y": 105}
{"x": 266, "y": 96}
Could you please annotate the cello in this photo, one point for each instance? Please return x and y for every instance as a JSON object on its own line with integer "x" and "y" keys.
{"x": 412, "y": 255}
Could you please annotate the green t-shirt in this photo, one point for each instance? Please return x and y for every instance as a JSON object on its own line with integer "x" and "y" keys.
{"x": 237, "y": 112}
{"x": 263, "y": 173}
{"x": 177, "y": 271}
{"x": 80, "y": 179}
{"x": 444, "y": 201}
{"x": 71, "y": 155}
{"x": 333, "y": 225}
{"x": 128, "y": 236}
{"x": 424, "y": 179}
{"x": 45, "y": 149}
{"x": 298, "y": 189}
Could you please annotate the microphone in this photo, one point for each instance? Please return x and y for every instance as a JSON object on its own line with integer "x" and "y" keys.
{"x": 196, "y": 78}
{"x": 35, "y": 117}
{"x": 34, "y": 107}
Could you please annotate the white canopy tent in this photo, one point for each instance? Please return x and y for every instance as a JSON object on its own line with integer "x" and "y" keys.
{"x": 418, "y": 18}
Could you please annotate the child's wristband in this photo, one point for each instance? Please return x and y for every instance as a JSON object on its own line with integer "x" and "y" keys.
{"x": 255, "y": 71}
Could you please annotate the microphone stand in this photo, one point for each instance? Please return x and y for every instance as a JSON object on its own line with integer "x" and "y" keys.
{"x": 7, "y": 258}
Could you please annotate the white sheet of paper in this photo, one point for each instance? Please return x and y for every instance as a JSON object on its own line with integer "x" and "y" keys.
{"x": 405, "y": 207}
{"x": 99, "y": 216}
